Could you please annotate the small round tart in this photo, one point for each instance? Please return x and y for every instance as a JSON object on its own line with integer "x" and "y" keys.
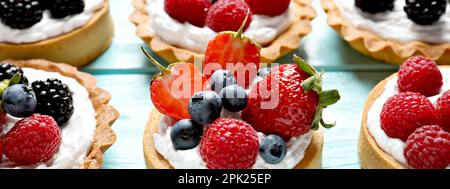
{"x": 78, "y": 47}
{"x": 105, "y": 115}
{"x": 154, "y": 160}
{"x": 284, "y": 43}
{"x": 381, "y": 48}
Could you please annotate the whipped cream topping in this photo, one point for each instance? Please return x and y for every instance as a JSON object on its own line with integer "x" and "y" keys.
{"x": 49, "y": 27}
{"x": 395, "y": 24}
{"x": 394, "y": 146}
{"x": 263, "y": 29}
{"x": 76, "y": 134}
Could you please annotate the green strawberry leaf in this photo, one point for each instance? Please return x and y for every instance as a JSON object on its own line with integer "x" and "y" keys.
{"x": 15, "y": 79}
{"x": 308, "y": 84}
{"x": 327, "y": 126}
{"x": 329, "y": 97}
{"x": 304, "y": 66}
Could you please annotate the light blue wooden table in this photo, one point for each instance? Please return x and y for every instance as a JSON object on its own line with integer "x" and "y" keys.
{"x": 124, "y": 72}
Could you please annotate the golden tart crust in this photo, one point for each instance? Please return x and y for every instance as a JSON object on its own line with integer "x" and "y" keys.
{"x": 282, "y": 45}
{"x": 106, "y": 115}
{"x": 77, "y": 48}
{"x": 153, "y": 160}
{"x": 379, "y": 48}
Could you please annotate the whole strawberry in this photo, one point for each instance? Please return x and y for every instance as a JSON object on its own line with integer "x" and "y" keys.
{"x": 421, "y": 75}
{"x": 428, "y": 148}
{"x": 192, "y": 11}
{"x": 402, "y": 114}
{"x": 289, "y": 101}
{"x": 268, "y": 7}
{"x": 32, "y": 140}
{"x": 229, "y": 144}
{"x": 228, "y": 15}
{"x": 443, "y": 111}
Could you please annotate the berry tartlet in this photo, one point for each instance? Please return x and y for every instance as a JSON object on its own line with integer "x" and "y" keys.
{"x": 181, "y": 30}
{"x": 405, "y": 122}
{"x": 70, "y": 31}
{"x": 236, "y": 113}
{"x": 393, "y": 30}
{"x": 52, "y": 117}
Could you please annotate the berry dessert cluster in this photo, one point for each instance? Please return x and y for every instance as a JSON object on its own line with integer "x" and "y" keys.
{"x": 222, "y": 15}
{"x": 235, "y": 112}
{"x": 22, "y": 14}
{"x": 38, "y": 109}
{"x": 422, "y": 12}
{"x": 413, "y": 118}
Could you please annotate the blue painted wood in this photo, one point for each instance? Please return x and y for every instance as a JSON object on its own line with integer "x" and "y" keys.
{"x": 124, "y": 72}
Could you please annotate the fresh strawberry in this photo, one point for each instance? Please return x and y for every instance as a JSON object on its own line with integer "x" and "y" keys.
{"x": 268, "y": 7}
{"x": 420, "y": 75}
{"x": 192, "y": 11}
{"x": 229, "y": 144}
{"x": 234, "y": 52}
{"x": 32, "y": 140}
{"x": 228, "y": 15}
{"x": 443, "y": 111}
{"x": 172, "y": 89}
{"x": 289, "y": 101}
{"x": 428, "y": 148}
{"x": 402, "y": 114}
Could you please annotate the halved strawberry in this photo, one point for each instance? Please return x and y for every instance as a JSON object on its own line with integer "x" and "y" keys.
{"x": 172, "y": 88}
{"x": 234, "y": 52}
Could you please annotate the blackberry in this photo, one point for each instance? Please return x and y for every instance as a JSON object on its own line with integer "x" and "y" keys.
{"x": 63, "y": 8}
{"x": 20, "y": 14}
{"x": 8, "y": 70}
{"x": 53, "y": 99}
{"x": 425, "y": 12}
{"x": 375, "y": 6}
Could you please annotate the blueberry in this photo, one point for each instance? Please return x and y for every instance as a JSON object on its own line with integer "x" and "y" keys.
{"x": 205, "y": 107}
{"x": 263, "y": 72}
{"x": 272, "y": 149}
{"x": 185, "y": 134}
{"x": 19, "y": 101}
{"x": 220, "y": 79}
{"x": 234, "y": 98}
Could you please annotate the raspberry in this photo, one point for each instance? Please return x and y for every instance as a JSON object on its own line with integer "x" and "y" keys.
{"x": 425, "y": 12}
{"x": 32, "y": 140}
{"x": 20, "y": 14}
{"x": 375, "y": 6}
{"x": 228, "y": 15}
{"x": 229, "y": 144}
{"x": 421, "y": 75}
{"x": 192, "y": 11}
{"x": 428, "y": 148}
{"x": 268, "y": 7}
{"x": 402, "y": 114}
{"x": 443, "y": 111}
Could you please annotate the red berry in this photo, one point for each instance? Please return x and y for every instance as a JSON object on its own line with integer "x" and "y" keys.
{"x": 229, "y": 144}
{"x": 268, "y": 7}
{"x": 428, "y": 148}
{"x": 192, "y": 11}
{"x": 1, "y": 148}
{"x": 402, "y": 114}
{"x": 443, "y": 111}
{"x": 228, "y": 15}
{"x": 279, "y": 105}
{"x": 420, "y": 75}
{"x": 33, "y": 140}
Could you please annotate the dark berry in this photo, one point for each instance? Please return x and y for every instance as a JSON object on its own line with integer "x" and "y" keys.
{"x": 19, "y": 100}
{"x": 263, "y": 72}
{"x": 272, "y": 149}
{"x": 185, "y": 134}
{"x": 220, "y": 79}
{"x": 54, "y": 99}
{"x": 234, "y": 98}
{"x": 425, "y": 12}
{"x": 7, "y": 71}
{"x": 205, "y": 107}
{"x": 63, "y": 8}
{"x": 375, "y": 6}
{"x": 20, "y": 14}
